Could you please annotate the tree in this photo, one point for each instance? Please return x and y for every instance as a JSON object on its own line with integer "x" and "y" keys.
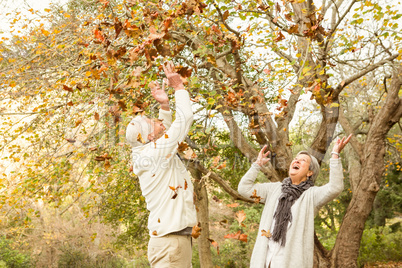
{"x": 248, "y": 61}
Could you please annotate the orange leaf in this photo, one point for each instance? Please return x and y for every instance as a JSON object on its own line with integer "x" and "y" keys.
{"x": 185, "y": 185}
{"x": 166, "y": 136}
{"x": 256, "y": 198}
{"x": 96, "y": 115}
{"x": 240, "y": 217}
{"x": 234, "y": 205}
{"x": 172, "y": 188}
{"x": 154, "y": 233}
{"x": 196, "y": 232}
{"x": 69, "y": 89}
{"x": 140, "y": 139}
{"x": 266, "y": 233}
{"x": 107, "y": 164}
{"x": 215, "y": 244}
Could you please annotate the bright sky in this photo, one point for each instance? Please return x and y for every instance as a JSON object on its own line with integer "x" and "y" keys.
{"x": 7, "y": 6}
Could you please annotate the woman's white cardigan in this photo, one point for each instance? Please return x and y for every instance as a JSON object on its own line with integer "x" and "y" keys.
{"x": 299, "y": 248}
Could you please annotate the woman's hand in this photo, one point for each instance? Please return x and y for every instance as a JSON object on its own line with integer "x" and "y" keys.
{"x": 262, "y": 158}
{"x": 339, "y": 145}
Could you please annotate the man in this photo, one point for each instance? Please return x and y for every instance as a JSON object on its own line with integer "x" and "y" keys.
{"x": 164, "y": 180}
{"x": 286, "y": 234}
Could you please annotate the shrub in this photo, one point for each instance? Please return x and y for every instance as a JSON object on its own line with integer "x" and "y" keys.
{"x": 12, "y": 258}
{"x": 379, "y": 244}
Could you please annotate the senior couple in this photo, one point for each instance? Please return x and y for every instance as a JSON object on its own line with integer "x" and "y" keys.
{"x": 286, "y": 233}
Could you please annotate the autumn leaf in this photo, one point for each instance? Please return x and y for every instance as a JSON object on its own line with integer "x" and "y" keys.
{"x": 266, "y": 233}
{"x": 234, "y": 205}
{"x": 280, "y": 37}
{"x": 166, "y": 136}
{"x": 184, "y": 71}
{"x": 256, "y": 198}
{"x": 196, "y": 232}
{"x": 237, "y": 236}
{"x": 240, "y": 217}
{"x": 182, "y": 147}
{"x": 71, "y": 140}
{"x": 215, "y": 244}
{"x": 222, "y": 166}
{"x": 67, "y": 88}
{"x": 154, "y": 233}
{"x": 99, "y": 35}
{"x": 96, "y": 115}
{"x": 107, "y": 164}
{"x": 140, "y": 139}
{"x": 159, "y": 220}
{"x": 185, "y": 185}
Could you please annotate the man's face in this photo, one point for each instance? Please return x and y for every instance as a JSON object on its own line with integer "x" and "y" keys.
{"x": 157, "y": 128}
{"x": 299, "y": 168}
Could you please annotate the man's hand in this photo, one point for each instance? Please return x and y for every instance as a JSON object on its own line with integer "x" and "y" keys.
{"x": 262, "y": 158}
{"x": 159, "y": 94}
{"x": 173, "y": 78}
{"x": 339, "y": 145}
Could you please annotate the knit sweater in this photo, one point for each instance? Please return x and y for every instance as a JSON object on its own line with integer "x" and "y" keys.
{"x": 164, "y": 180}
{"x": 299, "y": 247}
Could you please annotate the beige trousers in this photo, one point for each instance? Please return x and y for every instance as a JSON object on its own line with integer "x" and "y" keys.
{"x": 170, "y": 251}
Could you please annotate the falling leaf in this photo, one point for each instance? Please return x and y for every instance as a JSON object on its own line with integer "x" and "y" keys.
{"x": 107, "y": 164}
{"x": 71, "y": 140}
{"x": 166, "y": 136}
{"x": 172, "y": 188}
{"x": 159, "y": 220}
{"x": 266, "y": 233}
{"x": 154, "y": 233}
{"x": 93, "y": 149}
{"x": 96, "y": 115}
{"x": 140, "y": 139}
{"x": 256, "y": 198}
{"x": 78, "y": 122}
{"x": 234, "y": 205}
{"x": 215, "y": 244}
{"x": 240, "y": 217}
{"x": 185, "y": 185}
{"x": 196, "y": 232}
{"x": 168, "y": 156}
{"x": 69, "y": 89}
{"x": 237, "y": 236}
{"x": 280, "y": 37}
{"x": 223, "y": 165}
{"x": 267, "y": 71}
{"x": 182, "y": 147}
{"x": 216, "y": 199}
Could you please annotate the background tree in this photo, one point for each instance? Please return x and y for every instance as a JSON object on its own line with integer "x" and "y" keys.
{"x": 246, "y": 64}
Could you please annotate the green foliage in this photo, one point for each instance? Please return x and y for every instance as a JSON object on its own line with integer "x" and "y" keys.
{"x": 388, "y": 201}
{"x": 379, "y": 244}
{"x": 12, "y": 258}
{"x": 75, "y": 258}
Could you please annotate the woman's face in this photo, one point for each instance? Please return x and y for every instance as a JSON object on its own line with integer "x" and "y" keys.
{"x": 299, "y": 168}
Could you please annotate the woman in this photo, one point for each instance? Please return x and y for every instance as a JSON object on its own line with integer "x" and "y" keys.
{"x": 286, "y": 233}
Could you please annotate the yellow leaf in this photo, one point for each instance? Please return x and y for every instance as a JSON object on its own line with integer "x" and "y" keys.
{"x": 334, "y": 105}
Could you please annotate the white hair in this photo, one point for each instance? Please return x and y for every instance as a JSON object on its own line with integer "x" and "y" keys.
{"x": 138, "y": 126}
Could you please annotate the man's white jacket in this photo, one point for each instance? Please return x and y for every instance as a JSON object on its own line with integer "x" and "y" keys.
{"x": 164, "y": 180}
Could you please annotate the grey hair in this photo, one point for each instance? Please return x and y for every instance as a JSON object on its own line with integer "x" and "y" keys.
{"x": 314, "y": 166}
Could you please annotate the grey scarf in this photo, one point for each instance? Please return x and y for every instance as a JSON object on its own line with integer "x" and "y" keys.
{"x": 283, "y": 214}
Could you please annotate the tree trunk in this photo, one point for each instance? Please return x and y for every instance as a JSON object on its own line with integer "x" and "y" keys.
{"x": 201, "y": 204}
{"x": 346, "y": 249}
